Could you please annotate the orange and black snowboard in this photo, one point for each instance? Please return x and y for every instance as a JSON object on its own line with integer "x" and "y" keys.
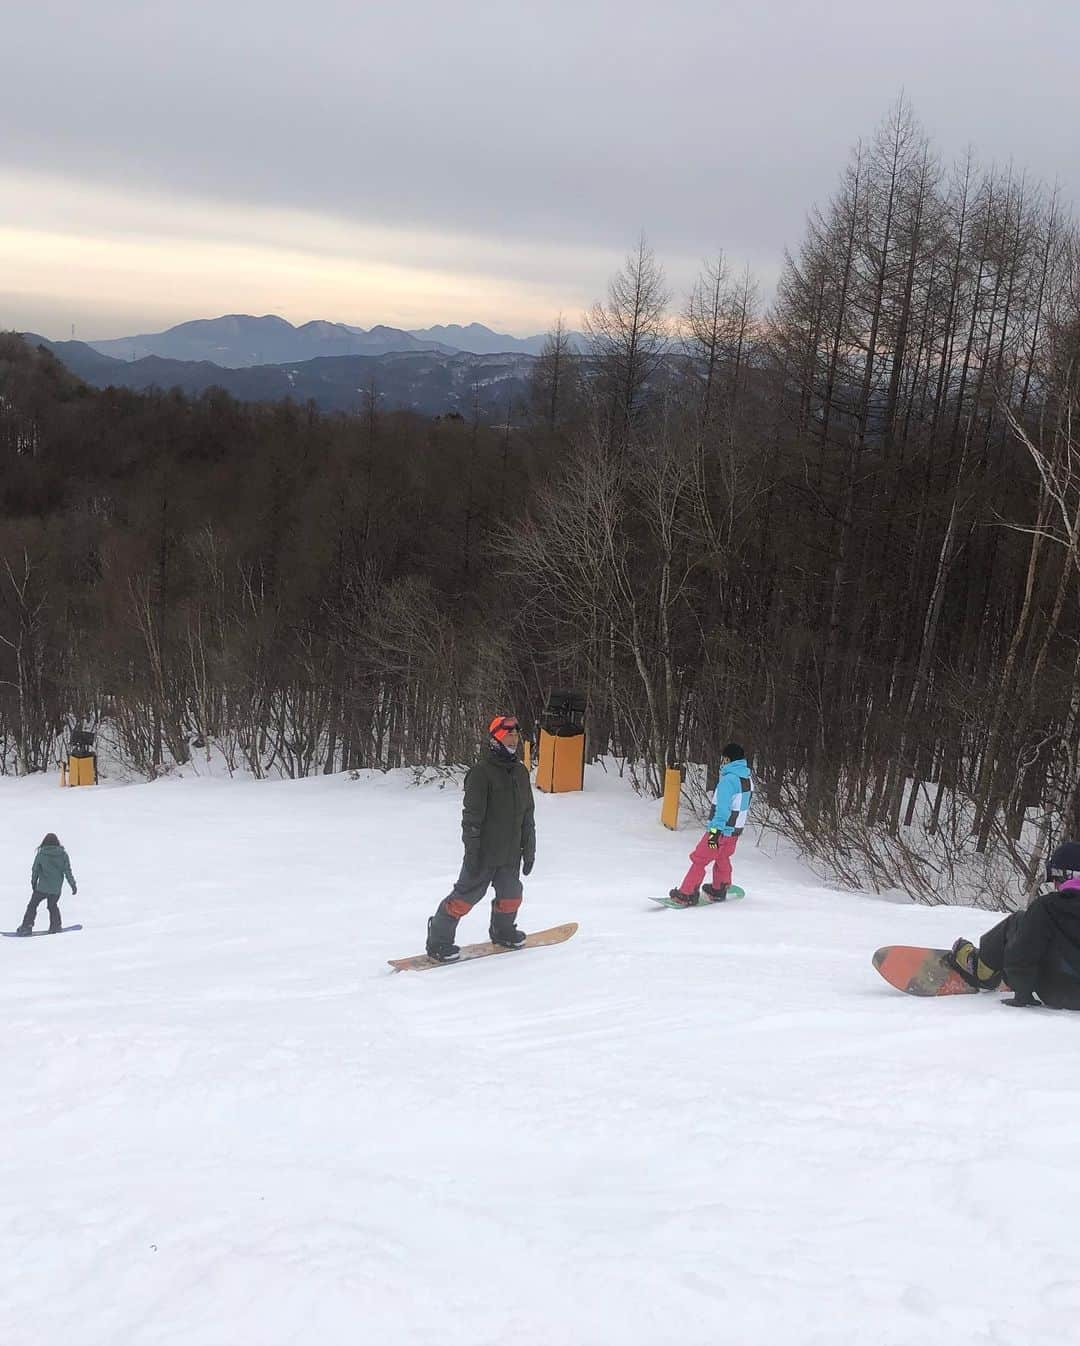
{"x": 920, "y": 971}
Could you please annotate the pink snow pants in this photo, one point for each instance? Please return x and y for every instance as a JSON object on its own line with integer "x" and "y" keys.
{"x": 700, "y": 859}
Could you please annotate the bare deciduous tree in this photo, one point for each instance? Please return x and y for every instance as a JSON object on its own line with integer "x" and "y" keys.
{"x": 628, "y": 336}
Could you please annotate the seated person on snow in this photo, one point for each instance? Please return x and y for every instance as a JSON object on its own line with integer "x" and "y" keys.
{"x": 1036, "y": 950}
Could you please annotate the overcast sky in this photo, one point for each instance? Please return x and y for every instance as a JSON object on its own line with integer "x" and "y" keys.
{"x": 414, "y": 162}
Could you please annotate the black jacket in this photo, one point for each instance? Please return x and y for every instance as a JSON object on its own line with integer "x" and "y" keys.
{"x": 497, "y": 824}
{"x": 1042, "y": 948}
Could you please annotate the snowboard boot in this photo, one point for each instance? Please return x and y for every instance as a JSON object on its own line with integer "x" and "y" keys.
{"x": 682, "y": 899}
{"x": 964, "y": 958}
{"x": 24, "y": 930}
{"x": 441, "y": 929}
{"x": 503, "y": 930}
{"x": 717, "y": 894}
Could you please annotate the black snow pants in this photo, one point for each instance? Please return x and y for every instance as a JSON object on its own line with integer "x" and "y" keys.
{"x": 1055, "y": 985}
{"x": 53, "y": 900}
{"x": 470, "y": 887}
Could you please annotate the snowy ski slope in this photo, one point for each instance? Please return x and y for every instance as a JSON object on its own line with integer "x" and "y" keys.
{"x": 226, "y": 1122}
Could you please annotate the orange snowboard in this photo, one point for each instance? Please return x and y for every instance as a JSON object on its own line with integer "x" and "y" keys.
{"x": 920, "y": 971}
{"x": 420, "y": 961}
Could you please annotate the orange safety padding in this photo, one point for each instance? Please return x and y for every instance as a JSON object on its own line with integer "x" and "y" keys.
{"x": 457, "y": 907}
{"x": 507, "y": 903}
{"x": 561, "y": 765}
{"x": 81, "y": 771}
{"x": 569, "y": 764}
{"x": 545, "y": 761}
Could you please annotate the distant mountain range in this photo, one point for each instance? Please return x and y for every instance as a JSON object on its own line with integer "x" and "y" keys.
{"x": 430, "y": 381}
{"x": 481, "y": 340}
{"x": 239, "y": 341}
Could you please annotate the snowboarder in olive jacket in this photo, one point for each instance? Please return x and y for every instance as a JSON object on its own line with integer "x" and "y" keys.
{"x": 51, "y": 868}
{"x": 1036, "y": 950}
{"x": 499, "y": 832}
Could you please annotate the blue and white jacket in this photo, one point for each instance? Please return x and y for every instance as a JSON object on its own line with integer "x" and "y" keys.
{"x": 734, "y": 793}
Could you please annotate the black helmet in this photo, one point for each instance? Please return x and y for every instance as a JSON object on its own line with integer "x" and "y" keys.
{"x": 1064, "y": 862}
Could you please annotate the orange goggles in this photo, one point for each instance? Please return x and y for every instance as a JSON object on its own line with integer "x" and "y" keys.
{"x": 502, "y": 725}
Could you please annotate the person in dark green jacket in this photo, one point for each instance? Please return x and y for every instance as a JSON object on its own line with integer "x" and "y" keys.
{"x": 51, "y": 868}
{"x": 499, "y": 832}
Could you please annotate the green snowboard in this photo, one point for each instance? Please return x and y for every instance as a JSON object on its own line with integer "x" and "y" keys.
{"x": 733, "y": 892}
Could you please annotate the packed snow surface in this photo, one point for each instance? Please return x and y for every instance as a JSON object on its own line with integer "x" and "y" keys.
{"x": 226, "y": 1122}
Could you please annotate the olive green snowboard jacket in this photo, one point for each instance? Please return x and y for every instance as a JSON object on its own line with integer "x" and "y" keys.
{"x": 497, "y": 823}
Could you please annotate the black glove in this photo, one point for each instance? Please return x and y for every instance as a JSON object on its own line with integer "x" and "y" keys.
{"x": 527, "y": 862}
{"x": 1022, "y": 1002}
{"x": 472, "y": 860}
{"x": 714, "y": 838}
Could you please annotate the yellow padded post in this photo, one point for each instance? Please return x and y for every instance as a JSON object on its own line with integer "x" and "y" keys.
{"x": 669, "y": 808}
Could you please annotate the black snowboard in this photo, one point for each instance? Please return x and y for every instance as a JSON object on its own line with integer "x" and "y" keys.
{"x": 14, "y": 934}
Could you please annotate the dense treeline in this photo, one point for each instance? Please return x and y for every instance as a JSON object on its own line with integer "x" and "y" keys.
{"x": 846, "y": 530}
{"x": 306, "y": 591}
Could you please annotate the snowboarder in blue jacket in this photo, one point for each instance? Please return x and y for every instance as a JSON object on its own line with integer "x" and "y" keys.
{"x": 731, "y": 804}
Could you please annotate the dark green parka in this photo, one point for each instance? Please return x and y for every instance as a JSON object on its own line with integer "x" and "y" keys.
{"x": 497, "y": 824}
{"x": 51, "y": 868}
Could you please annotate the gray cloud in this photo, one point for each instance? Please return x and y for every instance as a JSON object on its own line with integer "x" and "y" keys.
{"x": 576, "y": 124}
